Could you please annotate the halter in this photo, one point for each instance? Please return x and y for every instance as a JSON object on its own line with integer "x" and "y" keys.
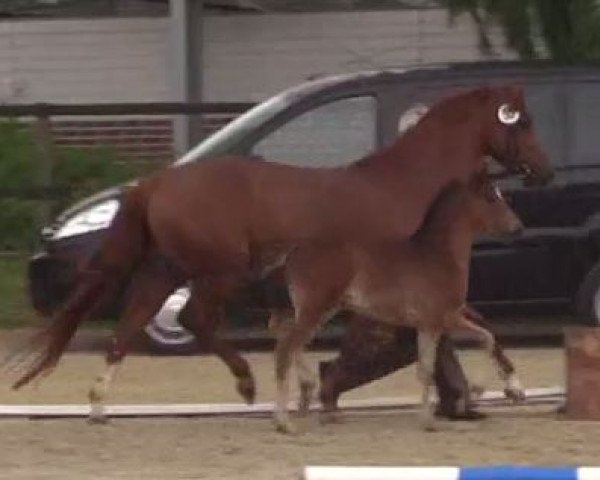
{"x": 512, "y": 120}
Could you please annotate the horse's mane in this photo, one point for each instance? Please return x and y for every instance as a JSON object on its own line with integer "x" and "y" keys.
{"x": 445, "y": 110}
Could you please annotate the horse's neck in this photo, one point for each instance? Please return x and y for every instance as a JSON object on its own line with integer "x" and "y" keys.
{"x": 429, "y": 156}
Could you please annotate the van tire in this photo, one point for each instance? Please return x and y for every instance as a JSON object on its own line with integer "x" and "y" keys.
{"x": 587, "y": 301}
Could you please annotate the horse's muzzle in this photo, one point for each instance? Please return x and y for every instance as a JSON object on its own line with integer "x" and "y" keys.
{"x": 537, "y": 180}
{"x": 536, "y": 173}
{"x": 517, "y": 230}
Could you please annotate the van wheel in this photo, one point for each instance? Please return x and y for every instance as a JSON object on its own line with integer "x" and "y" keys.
{"x": 164, "y": 333}
{"x": 587, "y": 303}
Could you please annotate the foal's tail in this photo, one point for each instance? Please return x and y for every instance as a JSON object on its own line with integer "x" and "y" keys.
{"x": 124, "y": 245}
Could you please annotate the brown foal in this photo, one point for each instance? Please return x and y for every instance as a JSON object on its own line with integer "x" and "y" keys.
{"x": 420, "y": 283}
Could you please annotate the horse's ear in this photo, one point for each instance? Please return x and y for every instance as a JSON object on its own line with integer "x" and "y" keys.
{"x": 514, "y": 92}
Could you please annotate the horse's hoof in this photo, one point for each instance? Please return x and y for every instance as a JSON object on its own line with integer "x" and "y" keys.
{"x": 247, "y": 389}
{"x": 517, "y": 395}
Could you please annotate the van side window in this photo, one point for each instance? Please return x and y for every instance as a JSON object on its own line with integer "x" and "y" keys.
{"x": 584, "y": 118}
{"x": 543, "y": 104}
{"x": 336, "y": 133}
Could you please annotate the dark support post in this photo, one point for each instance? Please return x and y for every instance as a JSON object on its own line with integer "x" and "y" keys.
{"x": 186, "y": 68}
{"x": 46, "y": 162}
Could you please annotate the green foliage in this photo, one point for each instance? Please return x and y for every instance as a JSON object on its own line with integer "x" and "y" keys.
{"x": 88, "y": 171}
{"x": 15, "y": 309}
{"x": 80, "y": 171}
{"x": 566, "y": 30}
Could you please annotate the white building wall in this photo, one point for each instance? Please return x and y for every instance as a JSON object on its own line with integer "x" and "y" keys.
{"x": 250, "y": 57}
{"x": 247, "y": 57}
{"x": 104, "y": 60}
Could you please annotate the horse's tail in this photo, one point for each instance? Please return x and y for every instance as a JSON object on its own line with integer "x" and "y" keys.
{"x": 123, "y": 247}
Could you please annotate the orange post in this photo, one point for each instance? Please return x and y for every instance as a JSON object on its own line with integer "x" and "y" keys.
{"x": 583, "y": 373}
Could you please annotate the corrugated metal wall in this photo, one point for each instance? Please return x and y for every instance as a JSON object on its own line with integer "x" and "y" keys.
{"x": 247, "y": 57}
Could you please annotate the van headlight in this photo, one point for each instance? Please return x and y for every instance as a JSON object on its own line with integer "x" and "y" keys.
{"x": 97, "y": 217}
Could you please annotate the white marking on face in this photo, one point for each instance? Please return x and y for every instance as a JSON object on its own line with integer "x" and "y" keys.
{"x": 507, "y": 115}
{"x": 498, "y": 193}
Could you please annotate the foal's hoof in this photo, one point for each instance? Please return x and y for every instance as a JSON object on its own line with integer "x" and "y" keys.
{"x": 97, "y": 420}
{"x": 306, "y": 394}
{"x": 429, "y": 425}
{"x": 517, "y": 395}
{"x": 285, "y": 426}
{"x": 476, "y": 391}
{"x": 247, "y": 389}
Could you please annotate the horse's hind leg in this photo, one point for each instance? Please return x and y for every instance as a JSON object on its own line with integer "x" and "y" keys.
{"x": 506, "y": 370}
{"x": 204, "y": 316}
{"x": 427, "y": 344}
{"x": 150, "y": 287}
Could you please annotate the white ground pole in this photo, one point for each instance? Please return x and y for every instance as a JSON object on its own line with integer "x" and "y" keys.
{"x": 381, "y": 473}
{"x": 535, "y": 396}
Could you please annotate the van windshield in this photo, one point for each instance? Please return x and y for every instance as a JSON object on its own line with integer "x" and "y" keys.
{"x": 223, "y": 140}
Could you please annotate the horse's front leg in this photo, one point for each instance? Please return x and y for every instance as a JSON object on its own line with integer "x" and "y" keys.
{"x": 427, "y": 343}
{"x": 513, "y": 388}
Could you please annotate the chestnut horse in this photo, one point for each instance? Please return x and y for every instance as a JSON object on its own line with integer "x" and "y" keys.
{"x": 420, "y": 283}
{"x": 225, "y": 221}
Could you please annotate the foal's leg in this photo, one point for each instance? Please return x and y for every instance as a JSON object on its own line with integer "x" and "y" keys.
{"x": 317, "y": 276}
{"x": 506, "y": 370}
{"x": 280, "y": 323}
{"x": 147, "y": 295}
{"x": 289, "y": 347}
{"x": 427, "y": 344}
{"x": 307, "y": 381}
